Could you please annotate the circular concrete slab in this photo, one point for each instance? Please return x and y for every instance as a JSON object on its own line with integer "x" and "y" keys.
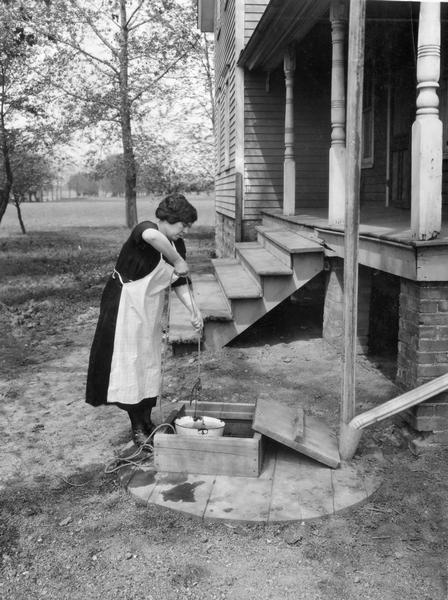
{"x": 291, "y": 487}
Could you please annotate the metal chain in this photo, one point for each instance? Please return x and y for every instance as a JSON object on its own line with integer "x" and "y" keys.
{"x": 197, "y": 387}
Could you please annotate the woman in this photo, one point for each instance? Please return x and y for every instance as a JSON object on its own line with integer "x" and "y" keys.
{"x": 125, "y": 358}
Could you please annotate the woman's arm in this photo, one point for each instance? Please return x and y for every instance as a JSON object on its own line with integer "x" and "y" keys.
{"x": 184, "y": 295}
{"x": 161, "y": 243}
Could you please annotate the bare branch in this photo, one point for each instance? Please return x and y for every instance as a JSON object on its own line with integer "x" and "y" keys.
{"x": 82, "y": 98}
{"x": 83, "y": 14}
{"x": 128, "y": 22}
{"x": 137, "y": 25}
{"x": 162, "y": 75}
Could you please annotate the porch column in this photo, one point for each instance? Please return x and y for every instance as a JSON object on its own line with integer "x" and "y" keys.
{"x": 426, "y": 194}
{"x": 336, "y": 188}
{"x": 289, "y": 165}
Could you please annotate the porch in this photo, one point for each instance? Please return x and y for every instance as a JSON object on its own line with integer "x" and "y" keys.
{"x": 385, "y": 240}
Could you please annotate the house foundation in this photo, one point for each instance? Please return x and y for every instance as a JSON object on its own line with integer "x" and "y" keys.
{"x": 423, "y": 350}
{"x": 333, "y": 327}
{"x": 225, "y": 234}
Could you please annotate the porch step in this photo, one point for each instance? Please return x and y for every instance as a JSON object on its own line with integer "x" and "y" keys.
{"x": 236, "y": 282}
{"x": 211, "y": 302}
{"x": 290, "y": 241}
{"x": 260, "y": 261}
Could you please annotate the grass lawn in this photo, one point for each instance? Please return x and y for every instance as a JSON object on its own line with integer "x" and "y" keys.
{"x": 93, "y": 212}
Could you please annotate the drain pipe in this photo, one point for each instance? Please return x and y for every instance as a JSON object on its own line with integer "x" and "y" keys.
{"x": 353, "y": 430}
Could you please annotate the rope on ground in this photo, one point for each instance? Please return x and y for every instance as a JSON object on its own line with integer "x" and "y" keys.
{"x": 142, "y": 455}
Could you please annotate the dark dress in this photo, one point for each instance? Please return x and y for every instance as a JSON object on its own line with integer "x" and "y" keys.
{"x": 136, "y": 260}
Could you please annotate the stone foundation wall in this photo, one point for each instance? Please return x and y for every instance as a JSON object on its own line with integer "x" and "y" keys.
{"x": 225, "y": 234}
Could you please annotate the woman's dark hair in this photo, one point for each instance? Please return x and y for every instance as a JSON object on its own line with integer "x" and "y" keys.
{"x": 175, "y": 208}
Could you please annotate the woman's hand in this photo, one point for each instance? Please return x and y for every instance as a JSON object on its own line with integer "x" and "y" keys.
{"x": 181, "y": 267}
{"x": 197, "y": 320}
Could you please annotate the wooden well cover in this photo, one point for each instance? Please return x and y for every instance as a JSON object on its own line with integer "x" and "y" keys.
{"x": 289, "y": 426}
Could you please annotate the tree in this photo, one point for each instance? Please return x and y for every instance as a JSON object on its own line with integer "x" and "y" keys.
{"x": 175, "y": 145}
{"x": 26, "y": 125}
{"x": 120, "y": 52}
{"x": 31, "y": 173}
{"x": 84, "y": 184}
{"x": 110, "y": 174}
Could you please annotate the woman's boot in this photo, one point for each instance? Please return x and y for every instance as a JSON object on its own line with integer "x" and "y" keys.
{"x": 136, "y": 416}
{"x": 148, "y": 404}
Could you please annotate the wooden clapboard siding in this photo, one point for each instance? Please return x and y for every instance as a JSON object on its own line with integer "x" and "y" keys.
{"x": 253, "y": 10}
{"x": 225, "y": 59}
{"x": 264, "y": 135}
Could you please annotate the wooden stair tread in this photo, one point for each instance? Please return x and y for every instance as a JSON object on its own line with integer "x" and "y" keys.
{"x": 292, "y": 242}
{"x": 235, "y": 280}
{"x": 261, "y": 260}
{"x": 211, "y": 302}
{"x": 276, "y": 421}
{"x": 210, "y": 299}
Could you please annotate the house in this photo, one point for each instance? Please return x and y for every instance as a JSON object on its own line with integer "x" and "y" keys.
{"x": 286, "y": 136}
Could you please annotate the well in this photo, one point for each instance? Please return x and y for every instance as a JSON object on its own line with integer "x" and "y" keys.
{"x": 238, "y": 452}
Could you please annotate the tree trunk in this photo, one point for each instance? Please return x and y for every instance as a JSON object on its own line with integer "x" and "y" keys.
{"x": 19, "y": 213}
{"x": 7, "y": 173}
{"x": 3, "y": 203}
{"x": 126, "y": 131}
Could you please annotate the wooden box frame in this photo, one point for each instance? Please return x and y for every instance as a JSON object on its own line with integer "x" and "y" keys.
{"x": 232, "y": 454}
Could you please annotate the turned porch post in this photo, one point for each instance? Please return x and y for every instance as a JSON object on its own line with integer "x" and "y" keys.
{"x": 289, "y": 165}
{"x": 426, "y": 194}
{"x": 336, "y": 187}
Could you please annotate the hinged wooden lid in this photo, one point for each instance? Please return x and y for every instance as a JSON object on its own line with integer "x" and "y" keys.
{"x": 287, "y": 425}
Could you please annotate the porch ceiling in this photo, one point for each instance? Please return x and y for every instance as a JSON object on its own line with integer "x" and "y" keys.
{"x": 283, "y": 22}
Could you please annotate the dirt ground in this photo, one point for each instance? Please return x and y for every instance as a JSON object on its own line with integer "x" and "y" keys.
{"x": 69, "y": 531}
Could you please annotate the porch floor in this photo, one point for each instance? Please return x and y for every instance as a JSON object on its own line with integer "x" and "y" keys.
{"x": 291, "y": 487}
{"x": 378, "y": 222}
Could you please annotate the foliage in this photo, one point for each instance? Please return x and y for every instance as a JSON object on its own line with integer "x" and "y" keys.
{"x": 28, "y": 126}
{"x": 109, "y": 172}
{"x": 84, "y": 184}
{"x": 31, "y": 172}
{"x": 119, "y": 55}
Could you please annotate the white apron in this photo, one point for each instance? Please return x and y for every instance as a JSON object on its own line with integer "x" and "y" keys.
{"x": 136, "y": 360}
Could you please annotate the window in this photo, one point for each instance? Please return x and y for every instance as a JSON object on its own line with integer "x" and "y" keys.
{"x": 368, "y": 123}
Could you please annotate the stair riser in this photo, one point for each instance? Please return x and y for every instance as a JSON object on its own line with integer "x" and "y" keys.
{"x": 283, "y": 255}
{"x": 218, "y": 333}
{"x": 305, "y": 267}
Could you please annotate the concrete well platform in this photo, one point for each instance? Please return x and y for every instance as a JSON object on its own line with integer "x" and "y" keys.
{"x": 291, "y": 487}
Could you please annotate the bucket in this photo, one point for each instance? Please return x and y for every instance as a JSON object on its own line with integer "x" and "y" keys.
{"x": 204, "y": 426}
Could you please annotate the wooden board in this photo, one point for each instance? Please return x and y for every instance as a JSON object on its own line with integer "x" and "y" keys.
{"x": 239, "y": 411}
{"x": 208, "y": 456}
{"x": 209, "y": 298}
{"x": 227, "y": 455}
{"x": 276, "y": 421}
{"x": 235, "y": 280}
{"x": 260, "y": 260}
{"x": 290, "y": 241}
